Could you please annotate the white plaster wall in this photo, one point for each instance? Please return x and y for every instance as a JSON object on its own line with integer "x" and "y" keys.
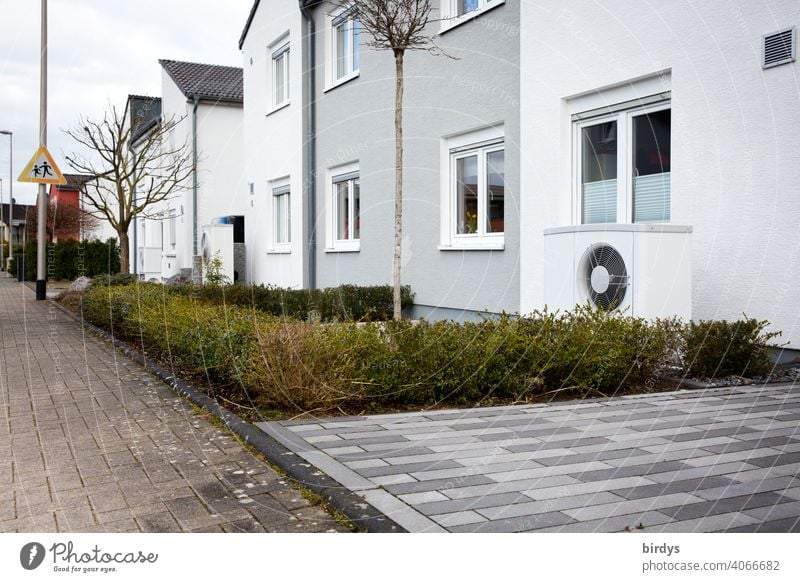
{"x": 735, "y": 150}
{"x": 273, "y": 142}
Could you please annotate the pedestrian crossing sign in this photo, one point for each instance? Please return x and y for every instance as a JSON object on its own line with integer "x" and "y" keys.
{"x": 42, "y": 169}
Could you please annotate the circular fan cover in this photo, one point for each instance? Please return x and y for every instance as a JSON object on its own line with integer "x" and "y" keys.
{"x": 605, "y": 275}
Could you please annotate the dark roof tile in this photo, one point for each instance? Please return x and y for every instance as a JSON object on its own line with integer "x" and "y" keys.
{"x": 206, "y": 81}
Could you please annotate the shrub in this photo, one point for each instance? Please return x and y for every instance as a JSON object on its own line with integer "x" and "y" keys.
{"x": 723, "y": 348}
{"x": 69, "y": 259}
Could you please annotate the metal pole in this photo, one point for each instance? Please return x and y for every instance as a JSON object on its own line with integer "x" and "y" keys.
{"x": 41, "y": 273}
{"x": 3, "y": 232}
{"x": 11, "y": 195}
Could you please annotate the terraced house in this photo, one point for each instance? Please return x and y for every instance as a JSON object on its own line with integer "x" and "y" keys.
{"x": 636, "y": 156}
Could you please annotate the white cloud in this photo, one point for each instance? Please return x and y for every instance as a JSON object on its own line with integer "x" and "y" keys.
{"x": 99, "y": 52}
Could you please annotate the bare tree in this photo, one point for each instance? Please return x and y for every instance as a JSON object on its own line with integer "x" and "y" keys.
{"x": 138, "y": 167}
{"x": 399, "y": 26}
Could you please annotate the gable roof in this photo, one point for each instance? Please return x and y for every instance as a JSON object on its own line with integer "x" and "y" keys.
{"x": 303, "y": 4}
{"x": 74, "y": 181}
{"x": 211, "y": 82}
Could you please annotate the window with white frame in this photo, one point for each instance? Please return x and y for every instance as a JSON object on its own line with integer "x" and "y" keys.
{"x": 280, "y": 73}
{"x": 281, "y": 216}
{"x": 622, "y": 165}
{"x": 473, "y": 207}
{"x": 344, "y": 203}
{"x": 456, "y": 11}
{"x": 344, "y": 39}
{"x": 172, "y": 235}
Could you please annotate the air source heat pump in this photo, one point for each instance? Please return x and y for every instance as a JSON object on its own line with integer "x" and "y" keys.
{"x": 642, "y": 269}
{"x": 217, "y": 240}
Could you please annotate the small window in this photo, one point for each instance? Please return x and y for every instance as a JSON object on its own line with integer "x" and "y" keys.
{"x": 455, "y": 12}
{"x": 344, "y": 46}
{"x": 172, "y": 238}
{"x": 479, "y": 181}
{"x": 280, "y": 75}
{"x": 344, "y": 209}
{"x": 282, "y": 216}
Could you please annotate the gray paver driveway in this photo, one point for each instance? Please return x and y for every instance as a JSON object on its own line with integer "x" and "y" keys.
{"x": 717, "y": 460}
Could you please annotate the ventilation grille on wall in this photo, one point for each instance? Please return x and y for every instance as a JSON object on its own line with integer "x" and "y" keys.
{"x": 779, "y": 47}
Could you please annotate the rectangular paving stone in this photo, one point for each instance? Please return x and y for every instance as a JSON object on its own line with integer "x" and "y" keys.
{"x": 423, "y": 497}
{"x": 777, "y": 484}
{"x": 725, "y": 469}
{"x": 461, "y": 518}
{"x": 401, "y": 513}
{"x": 523, "y": 485}
{"x": 694, "y": 486}
{"x": 558, "y": 504}
{"x": 516, "y": 524}
{"x": 755, "y": 457}
{"x": 774, "y": 512}
{"x": 712, "y": 523}
{"x": 438, "y": 484}
{"x": 774, "y": 460}
{"x": 725, "y": 505}
{"x": 371, "y": 472}
{"x": 628, "y": 507}
{"x": 630, "y": 471}
{"x": 570, "y": 490}
{"x": 648, "y": 520}
{"x": 541, "y": 472}
{"x": 393, "y": 479}
{"x": 470, "y": 503}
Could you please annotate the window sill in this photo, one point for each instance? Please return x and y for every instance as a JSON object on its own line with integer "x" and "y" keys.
{"x": 451, "y": 23}
{"x": 170, "y": 255}
{"x": 350, "y": 248}
{"x": 280, "y": 251}
{"x": 278, "y": 108}
{"x": 492, "y": 244}
{"x": 343, "y": 80}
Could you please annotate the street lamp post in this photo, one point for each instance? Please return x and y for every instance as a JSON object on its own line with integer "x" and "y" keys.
{"x": 10, "y": 135}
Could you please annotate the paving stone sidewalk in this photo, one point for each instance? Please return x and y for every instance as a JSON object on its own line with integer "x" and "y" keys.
{"x": 701, "y": 461}
{"x": 90, "y": 442}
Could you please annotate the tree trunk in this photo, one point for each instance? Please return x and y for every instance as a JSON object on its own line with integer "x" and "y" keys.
{"x": 398, "y": 179}
{"x": 124, "y": 252}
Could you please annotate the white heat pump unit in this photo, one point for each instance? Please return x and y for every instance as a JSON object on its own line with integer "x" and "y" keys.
{"x": 217, "y": 240}
{"x": 642, "y": 269}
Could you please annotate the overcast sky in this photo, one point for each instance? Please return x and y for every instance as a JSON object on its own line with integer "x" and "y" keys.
{"x": 100, "y": 51}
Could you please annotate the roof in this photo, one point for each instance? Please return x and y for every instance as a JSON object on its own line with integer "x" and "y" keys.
{"x": 19, "y": 211}
{"x": 214, "y": 82}
{"x": 74, "y": 181}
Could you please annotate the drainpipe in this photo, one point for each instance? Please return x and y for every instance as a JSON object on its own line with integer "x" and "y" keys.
{"x": 194, "y": 175}
{"x": 311, "y": 180}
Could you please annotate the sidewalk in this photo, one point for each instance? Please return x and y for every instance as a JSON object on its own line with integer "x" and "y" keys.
{"x": 89, "y": 441}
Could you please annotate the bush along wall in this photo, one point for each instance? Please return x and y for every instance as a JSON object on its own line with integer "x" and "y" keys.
{"x": 69, "y": 259}
{"x": 293, "y": 365}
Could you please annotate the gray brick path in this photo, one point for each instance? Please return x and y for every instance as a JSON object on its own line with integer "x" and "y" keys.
{"x": 717, "y": 460}
{"x": 90, "y": 442}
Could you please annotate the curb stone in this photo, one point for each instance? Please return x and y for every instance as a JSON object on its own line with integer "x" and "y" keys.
{"x": 349, "y": 504}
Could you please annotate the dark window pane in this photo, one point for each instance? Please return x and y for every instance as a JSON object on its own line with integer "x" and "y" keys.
{"x": 467, "y": 195}
{"x": 495, "y": 190}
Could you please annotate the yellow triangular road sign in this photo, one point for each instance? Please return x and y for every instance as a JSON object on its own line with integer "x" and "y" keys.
{"x": 42, "y": 169}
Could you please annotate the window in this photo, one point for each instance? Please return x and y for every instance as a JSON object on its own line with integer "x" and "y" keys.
{"x": 282, "y": 216}
{"x": 344, "y": 53}
{"x": 345, "y": 209}
{"x": 474, "y": 208}
{"x": 172, "y": 238}
{"x": 623, "y": 166}
{"x": 455, "y": 12}
{"x": 280, "y": 75}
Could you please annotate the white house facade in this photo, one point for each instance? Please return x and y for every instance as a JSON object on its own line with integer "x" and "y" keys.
{"x": 566, "y": 153}
{"x": 205, "y": 101}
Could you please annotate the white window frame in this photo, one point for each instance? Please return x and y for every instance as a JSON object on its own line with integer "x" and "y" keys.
{"x": 279, "y": 57}
{"x": 332, "y": 243}
{"x": 624, "y": 118}
{"x": 353, "y": 60}
{"x": 451, "y": 18}
{"x": 480, "y": 142}
{"x": 280, "y": 187}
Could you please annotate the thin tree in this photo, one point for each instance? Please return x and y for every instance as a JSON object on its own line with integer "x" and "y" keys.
{"x": 135, "y": 168}
{"x": 399, "y": 26}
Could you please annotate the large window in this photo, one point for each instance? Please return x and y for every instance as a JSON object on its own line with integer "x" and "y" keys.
{"x": 344, "y": 38}
{"x": 474, "y": 210}
{"x": 280, "y": 75}
{"x": 623, "y": 166}
{"x": 282, "y": 217}
{"x": 344, "y": 203}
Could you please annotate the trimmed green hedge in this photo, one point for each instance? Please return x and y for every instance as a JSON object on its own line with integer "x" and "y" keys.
{"x": 724, "y": 348}
{"x": 284, "y": 363}
{"x": 67, "y": 260}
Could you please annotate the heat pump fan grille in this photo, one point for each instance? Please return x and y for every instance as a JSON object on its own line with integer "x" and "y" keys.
{"x": 606, "y": 276}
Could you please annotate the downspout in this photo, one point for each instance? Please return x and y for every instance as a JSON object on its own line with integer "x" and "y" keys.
{"x": 311, "y": 180}
{"x": 194, "y": 175}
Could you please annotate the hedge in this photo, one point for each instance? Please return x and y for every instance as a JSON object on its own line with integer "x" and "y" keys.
{"x": 69, "y": 259}
{"x": 282, "y": 363}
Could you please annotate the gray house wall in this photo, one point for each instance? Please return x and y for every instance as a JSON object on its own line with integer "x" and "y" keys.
{"x": 474, "y": 86}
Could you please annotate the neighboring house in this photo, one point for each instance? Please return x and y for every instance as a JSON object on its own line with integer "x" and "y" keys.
{"x": 461, "y": 195}
{"x": 17, "y": 228}
{"x": 206, "y": 101}
{"x": 565, "y": 154}
{"x": 65, "y": 202}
